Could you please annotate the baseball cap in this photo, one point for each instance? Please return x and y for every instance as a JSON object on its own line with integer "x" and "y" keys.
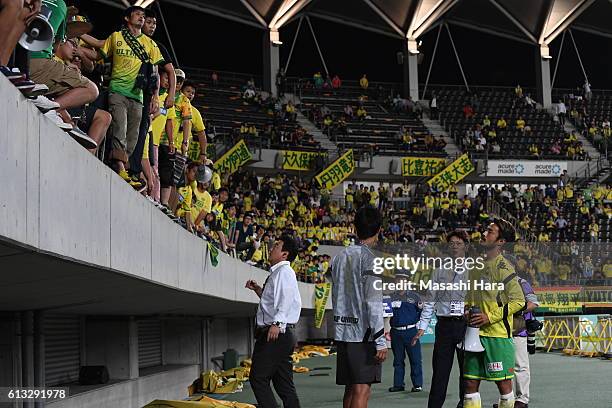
{"x": 180, "y": 73}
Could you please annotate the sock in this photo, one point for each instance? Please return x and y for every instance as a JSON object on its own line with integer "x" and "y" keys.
{"x": 506, "y": 401}
{"x": 472, "y": 400}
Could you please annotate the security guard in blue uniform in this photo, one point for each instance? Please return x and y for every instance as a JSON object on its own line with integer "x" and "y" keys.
{"x": 407, "y": 308}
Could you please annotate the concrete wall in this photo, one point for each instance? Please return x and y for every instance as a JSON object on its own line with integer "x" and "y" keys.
{"x": 171, "y": 384}
{"x": 6, "y": 353}
{"x": 108, "y": 344}
{"x": 182, "y": 341}
{"x": 60, "y": 200}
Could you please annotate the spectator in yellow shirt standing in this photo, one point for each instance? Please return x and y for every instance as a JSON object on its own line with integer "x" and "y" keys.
{"x": 129, "y": 49}
{"x": 364, "y": 83}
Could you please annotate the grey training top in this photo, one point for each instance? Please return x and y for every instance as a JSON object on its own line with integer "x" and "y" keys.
{"x": 357, "y": 297}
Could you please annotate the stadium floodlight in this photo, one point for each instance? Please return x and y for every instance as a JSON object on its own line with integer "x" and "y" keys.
{"x": 413, "y": 47}
{"x": 545, "y": 52}
{"x": 275, "y": 37}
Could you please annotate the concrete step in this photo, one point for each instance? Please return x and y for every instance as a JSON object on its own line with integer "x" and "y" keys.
{"x": 319, "y": 136}
{"x": 436, "y": 129}
{"x": 586, "y": 143}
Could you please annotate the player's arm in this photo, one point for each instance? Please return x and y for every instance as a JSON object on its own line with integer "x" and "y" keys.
{"x": 169, "y": 68}
{"x": 92, "y": 41}
{"x": 170, "y": 134}
{"x": 516, "y": 299}
{"x": 374, "y": 304}
{"x": 203, "y": 142}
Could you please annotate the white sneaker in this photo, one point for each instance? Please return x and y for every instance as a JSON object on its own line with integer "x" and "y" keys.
{"x": 83, "y": 139}
{"x": 57, "y": 119}
{"x": 45, "y": 104}
{"x": 39, "y": 89}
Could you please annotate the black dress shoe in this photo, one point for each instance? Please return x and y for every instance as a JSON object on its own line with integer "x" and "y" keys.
{"x": 396, "y": 389}
{"x": 417, "y": 389}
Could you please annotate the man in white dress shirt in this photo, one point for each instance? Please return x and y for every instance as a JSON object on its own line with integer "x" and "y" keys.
{"x": 448, "y": 307}
{"x": 278, "y": 312}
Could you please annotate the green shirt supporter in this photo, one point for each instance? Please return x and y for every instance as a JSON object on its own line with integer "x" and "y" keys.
{"x": 59, "y": 12}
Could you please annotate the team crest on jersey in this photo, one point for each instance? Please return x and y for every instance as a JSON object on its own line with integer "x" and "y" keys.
{"x": 495, "y": 366}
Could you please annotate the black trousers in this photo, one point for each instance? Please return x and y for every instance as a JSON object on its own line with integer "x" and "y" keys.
{"x": 272, "y": 362}
{"x": 449, "y": 333}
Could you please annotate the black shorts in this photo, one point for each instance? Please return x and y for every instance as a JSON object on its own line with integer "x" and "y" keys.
{"x": 165, "y": 166}
{"x": 86, "y": 115}
{"x": 357, "y": 364}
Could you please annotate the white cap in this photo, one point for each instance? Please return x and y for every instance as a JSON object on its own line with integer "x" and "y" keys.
{"x": 180, "y": 73}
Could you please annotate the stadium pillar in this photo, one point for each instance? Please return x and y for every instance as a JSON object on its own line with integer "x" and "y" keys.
{"x": 39, "y": 353}
{"x": 411, "y": 73}
{"x": 271, "y": 60}
{"x": 133, "y": 369}
{"x": 27, "y": 332}
{"x": 543, "y": 84}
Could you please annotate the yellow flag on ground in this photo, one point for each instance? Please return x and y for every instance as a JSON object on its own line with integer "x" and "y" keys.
{"x": 452, "y": 174}
{"x": 337, "y": 172}
{"x": 322, "y": 291}
{"x": 198, "y": 402}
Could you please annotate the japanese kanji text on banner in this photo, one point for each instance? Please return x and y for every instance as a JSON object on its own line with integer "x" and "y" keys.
{"x": 337, "y": 172}
{"x": 296, "y": 160}
{"x": 233, "y": 158}
{"x": 422, "y": 166}
{"x": 452, "y": 174}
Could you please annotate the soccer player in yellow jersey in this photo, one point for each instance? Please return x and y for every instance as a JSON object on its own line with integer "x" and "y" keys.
{"x": 497, "y": 306}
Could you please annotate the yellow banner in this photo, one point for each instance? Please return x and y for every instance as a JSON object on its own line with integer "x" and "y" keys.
{"x": 295, "y": 160}
{"x": 233, "y": 158}
{"x": 322, "y": 291}
{"x": 422, "y": 166}
{"x": 452, "y": 174}
{"x": 337, "y": 172}
{"x": 563, "y": 299}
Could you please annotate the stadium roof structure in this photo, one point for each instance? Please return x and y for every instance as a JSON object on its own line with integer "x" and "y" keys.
{"x": 536, "y": 22}
{"x": 532, "y": 21}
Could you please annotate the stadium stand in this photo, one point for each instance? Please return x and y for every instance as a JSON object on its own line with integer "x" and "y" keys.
{"x": 590, "y": 116}
{"x": 370, "y": 121}
{"x": 227, "y": 110}
{"x": 502, "y": 123}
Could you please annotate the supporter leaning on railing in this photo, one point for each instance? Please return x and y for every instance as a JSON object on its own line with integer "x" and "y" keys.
{"x": 131, "y": 78}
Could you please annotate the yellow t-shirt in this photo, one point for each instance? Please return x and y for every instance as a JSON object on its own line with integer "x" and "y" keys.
{"x": 216, "y": 181}
{"x": 203, "y": 201}
{"x": 185, "y": 198}
{"x": 607, "y": 271}
{"x": 197, "y": 125}
{"x": 158, "y": 126}
{"x": 183, "y": 111}
{"x": 126, "y": 65}
{"x": 248, "y": 203}
{"x": 349, "y": 196}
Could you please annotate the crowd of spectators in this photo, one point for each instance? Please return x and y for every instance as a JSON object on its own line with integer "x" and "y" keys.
{"x": 593, "y": 125}
{"x": 488, "y": 134}
{"x": 158, "y": 145}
